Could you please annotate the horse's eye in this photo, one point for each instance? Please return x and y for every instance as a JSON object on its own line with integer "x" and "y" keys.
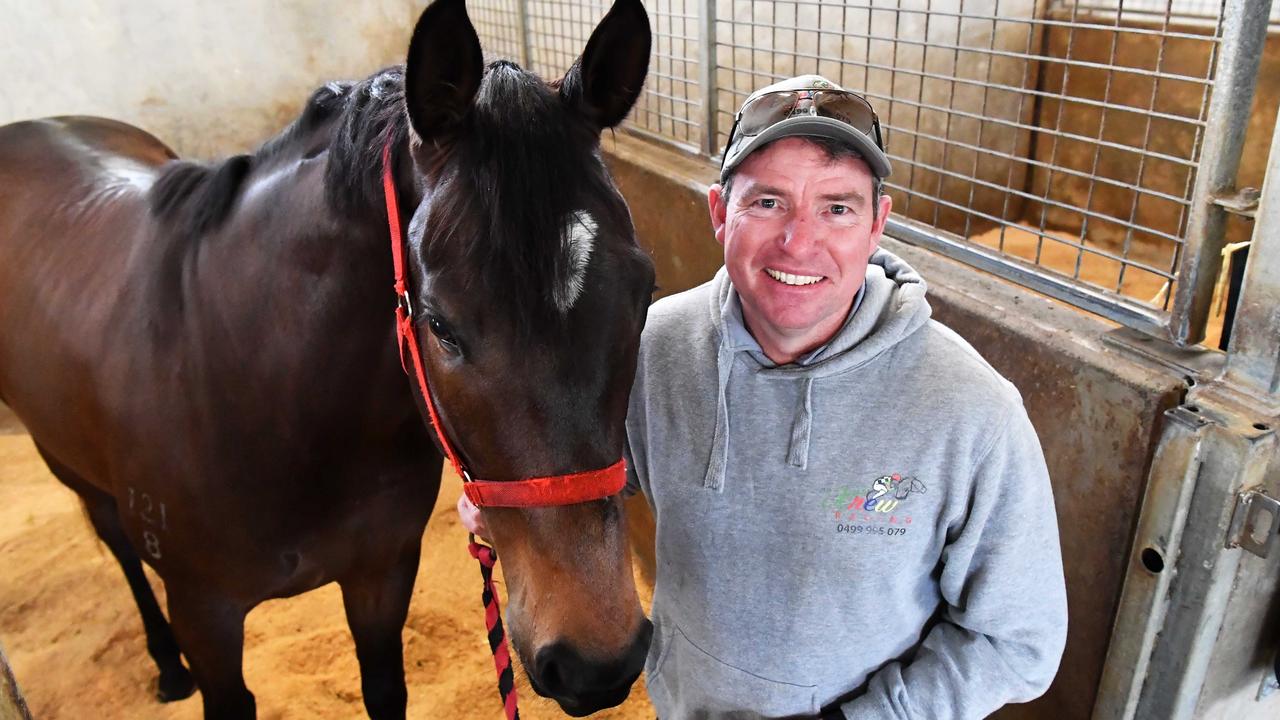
{"x": 441, "y": 331}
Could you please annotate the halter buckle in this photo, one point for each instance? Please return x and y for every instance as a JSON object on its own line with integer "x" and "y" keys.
{"x": 402, "y": 301}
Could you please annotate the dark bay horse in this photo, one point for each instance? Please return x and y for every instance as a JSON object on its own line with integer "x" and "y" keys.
{"x": 206, "y": 354}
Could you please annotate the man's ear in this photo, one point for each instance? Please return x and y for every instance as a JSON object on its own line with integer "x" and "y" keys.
{"x": 877, "y": 230}
{"x": 718, "y": 204}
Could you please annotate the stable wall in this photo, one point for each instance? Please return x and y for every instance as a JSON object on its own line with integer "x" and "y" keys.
{"x": 207, "y": 78}
{"x": 1096, "y": 406}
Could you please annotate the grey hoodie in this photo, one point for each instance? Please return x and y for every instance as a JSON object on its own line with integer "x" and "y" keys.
{"x": 871, "y": 526}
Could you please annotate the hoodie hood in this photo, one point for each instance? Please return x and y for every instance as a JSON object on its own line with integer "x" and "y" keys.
{"x": 890, "y": 308}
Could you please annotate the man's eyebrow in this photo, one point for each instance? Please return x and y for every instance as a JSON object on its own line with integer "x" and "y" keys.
{"x": 757, "y": 189}
{"x": 851, "y": 195}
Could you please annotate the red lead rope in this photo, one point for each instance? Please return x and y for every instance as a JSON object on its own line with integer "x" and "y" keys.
{"x": 493, "y": 623}
{"x": 531, "y": 492}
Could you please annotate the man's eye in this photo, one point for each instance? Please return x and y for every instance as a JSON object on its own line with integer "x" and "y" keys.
{"x": 839, "y": 209}
{"x": 768, "y": 203}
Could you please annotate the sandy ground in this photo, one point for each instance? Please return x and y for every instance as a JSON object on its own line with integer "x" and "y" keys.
{"x": 73, "y": 636}
{"x": 1065, "y": 258}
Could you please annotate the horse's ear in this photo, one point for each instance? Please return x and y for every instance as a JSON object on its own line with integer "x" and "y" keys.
{"x": 443, "y": 70}
{"x": 605, "y": 82}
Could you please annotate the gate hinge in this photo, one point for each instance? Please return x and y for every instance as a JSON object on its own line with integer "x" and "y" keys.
{"x": 1255, "y": 525}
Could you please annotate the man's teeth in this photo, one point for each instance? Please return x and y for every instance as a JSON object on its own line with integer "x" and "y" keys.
{"x": 790, "y": 279}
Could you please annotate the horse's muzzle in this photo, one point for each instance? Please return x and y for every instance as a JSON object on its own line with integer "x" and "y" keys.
{"x": 582, "y": 686}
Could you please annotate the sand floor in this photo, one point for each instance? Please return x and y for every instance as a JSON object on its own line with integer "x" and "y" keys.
{"x": 73, "y": 636}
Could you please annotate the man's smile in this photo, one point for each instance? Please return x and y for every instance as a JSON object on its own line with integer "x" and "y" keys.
{"x": 792, "y": 278}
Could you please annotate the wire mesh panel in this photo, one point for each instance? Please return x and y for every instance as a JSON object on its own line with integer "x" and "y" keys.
{"x": 671, "y": 104}
{"x": 669, "y": 107}
{"x": 1062, "y": 136}
{"x": 497, "y": 22}
{"x": 1180, "y": 12}
{"x": 1049, "y": 134}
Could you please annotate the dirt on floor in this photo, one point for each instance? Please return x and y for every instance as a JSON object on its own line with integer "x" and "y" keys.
{"x": 75, "y": 641}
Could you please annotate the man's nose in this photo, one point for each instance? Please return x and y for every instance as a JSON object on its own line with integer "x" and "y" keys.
{"x": 800, "y": 233}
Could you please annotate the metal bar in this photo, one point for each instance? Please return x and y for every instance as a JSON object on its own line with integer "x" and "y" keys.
{"x": 1044, "y": 235}
{"x": 526, "y": 56}
{"x": 1032, "y": 75}
{"x": 707, "y": 77}
{"x": 1014, "y": 55}
{"x": 1097, "y": 155}
{"x": 1233, "y": 455}
{"x": 1244, "y": 33}
{"x": 1119, "y": 309}
{"x": 1145, "y": 112}
{"x": 983, "y": 150}
{"x": 1183, "y": 17}
{"x": 1146, "y": 143}
{"x": 951, "y": 103}
{"x": 1041, "y": 21}
{"x": 1009, "y": 123}
{"x": 1253, "y": 356}
{"x": 1036, "y": 198}
{"x": 978, "y": 153}
{"x": 1144, "y": 599}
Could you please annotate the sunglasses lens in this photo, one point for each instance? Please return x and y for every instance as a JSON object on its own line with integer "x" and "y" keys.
{"x": 767, "y": 110}
{"x": 775, "y": 107}
{"x": 847, "y": 108}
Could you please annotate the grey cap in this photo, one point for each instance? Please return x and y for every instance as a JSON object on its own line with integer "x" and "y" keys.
{"x": 806, "y": 126}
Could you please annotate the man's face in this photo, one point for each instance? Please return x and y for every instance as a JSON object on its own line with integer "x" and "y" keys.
{"x": 797, "y": 232}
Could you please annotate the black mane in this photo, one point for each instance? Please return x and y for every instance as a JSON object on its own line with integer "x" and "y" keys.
{"x": 508, "y": 180}
{"x": 195, "y": 198}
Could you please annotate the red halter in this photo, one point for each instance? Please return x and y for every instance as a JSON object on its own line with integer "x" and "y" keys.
{"x": 531, "y": 492}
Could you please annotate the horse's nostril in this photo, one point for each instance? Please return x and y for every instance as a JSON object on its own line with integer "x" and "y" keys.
{"x": 550, "y": 668}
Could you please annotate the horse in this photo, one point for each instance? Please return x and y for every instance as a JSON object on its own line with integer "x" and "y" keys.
{"x": 207, "y": 353}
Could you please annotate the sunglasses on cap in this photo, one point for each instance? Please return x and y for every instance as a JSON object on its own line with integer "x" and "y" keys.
{"x": 772, "y": 108}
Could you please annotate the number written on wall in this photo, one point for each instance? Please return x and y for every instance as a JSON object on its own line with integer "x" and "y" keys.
{"x": 153, "y": 513}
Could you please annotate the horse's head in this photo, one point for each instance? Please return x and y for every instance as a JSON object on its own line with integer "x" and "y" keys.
{"x": 529, "y": 292}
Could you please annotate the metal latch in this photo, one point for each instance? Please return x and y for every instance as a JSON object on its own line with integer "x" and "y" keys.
{"x": 1249, "y": 528}
{"x": 1242, "y": 202}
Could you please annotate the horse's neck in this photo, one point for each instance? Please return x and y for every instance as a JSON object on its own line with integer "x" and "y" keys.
{"x": 285, "y": 269}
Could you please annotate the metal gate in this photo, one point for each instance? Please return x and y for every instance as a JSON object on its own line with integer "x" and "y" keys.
{"x": 1087, "y": 149}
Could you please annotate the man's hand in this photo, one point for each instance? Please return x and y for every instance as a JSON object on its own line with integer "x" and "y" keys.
{"x": 471, "y": 519}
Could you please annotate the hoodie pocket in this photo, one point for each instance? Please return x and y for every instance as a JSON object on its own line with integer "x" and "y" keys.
{"x": 688, "y": 682}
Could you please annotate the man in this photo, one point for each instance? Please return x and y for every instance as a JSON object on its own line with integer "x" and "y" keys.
{"x": 854, "y": 519}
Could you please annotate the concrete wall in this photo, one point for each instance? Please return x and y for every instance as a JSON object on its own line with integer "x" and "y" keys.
{"x": 1096, "y": 407}
{"x": 208, "y": 78}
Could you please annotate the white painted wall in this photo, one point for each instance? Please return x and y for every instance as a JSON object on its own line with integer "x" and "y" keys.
{"x": 208, "y": 77}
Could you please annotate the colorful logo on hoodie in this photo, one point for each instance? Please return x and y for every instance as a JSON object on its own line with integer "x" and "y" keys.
{"x": 884, "y": 508}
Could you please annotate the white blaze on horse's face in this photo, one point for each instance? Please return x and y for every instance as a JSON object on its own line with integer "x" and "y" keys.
{"x": 580, "y": 236}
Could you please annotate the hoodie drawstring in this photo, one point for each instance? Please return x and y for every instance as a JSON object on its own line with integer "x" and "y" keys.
{"x": 714, "y": 479}
{"x": 801, "y": 428}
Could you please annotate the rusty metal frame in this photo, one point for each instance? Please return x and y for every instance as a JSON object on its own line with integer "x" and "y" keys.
{"x": 1157, "y": 542}
{"x": 1180, "y": 591}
